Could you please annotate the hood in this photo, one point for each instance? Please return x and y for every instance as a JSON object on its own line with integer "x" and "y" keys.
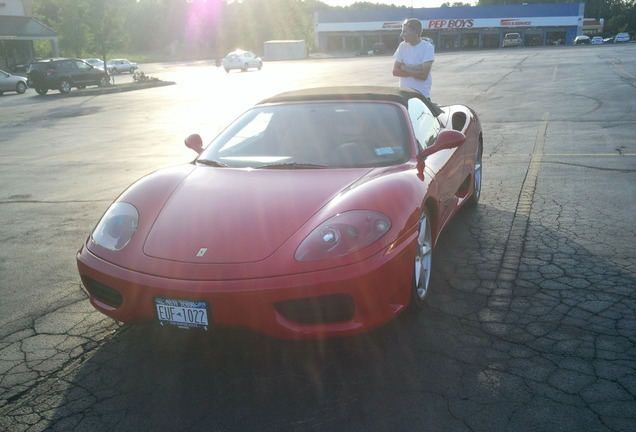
{"x": 225, "y": 215}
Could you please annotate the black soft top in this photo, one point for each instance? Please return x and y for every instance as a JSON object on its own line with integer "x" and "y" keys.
{"x": 400, "y": 95}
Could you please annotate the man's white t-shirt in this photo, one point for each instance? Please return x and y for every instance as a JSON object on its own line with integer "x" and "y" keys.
{"x": 414, "y": 56}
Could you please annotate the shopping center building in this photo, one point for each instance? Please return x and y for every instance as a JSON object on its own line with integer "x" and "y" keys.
{"x": 466, "y": 27}
{"x": 18, "y": 31}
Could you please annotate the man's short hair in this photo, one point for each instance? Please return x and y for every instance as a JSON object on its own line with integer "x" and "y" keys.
{"x": 415, "y": 24}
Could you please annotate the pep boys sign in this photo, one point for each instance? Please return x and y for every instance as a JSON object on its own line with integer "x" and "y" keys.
{"x": 468, "y": 23}
{"x": 453, "y": 23}
{"x": 479, "y": 23}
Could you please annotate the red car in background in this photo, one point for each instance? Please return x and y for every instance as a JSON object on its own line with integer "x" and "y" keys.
{"x": 315, "y": 214}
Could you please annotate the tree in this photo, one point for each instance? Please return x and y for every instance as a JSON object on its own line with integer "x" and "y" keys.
{"x": 106, "y": 25}
{"x": 83, "y": 25}
{"x": 66, "y": 17}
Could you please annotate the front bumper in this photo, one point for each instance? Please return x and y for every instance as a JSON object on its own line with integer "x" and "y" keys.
{"x": 330, "y": 303}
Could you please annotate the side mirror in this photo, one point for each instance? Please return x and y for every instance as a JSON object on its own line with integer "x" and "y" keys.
{"x": 194, "y": 142}
{"x": 447, "y": 139}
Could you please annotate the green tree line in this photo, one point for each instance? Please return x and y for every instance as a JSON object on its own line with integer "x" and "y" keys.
{"x": 200, "y": 29}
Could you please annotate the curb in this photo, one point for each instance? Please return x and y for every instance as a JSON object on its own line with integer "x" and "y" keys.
{"x": 116, "y": 89}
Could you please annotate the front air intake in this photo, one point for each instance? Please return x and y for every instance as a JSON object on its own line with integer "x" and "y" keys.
{"x": 103, "y": 293}
{"x": 318, "y": 310}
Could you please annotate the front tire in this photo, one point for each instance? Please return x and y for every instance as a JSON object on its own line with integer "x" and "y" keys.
{"x": 244, "y": 67}
{"x": 20, "y": 87}
{"x": 474, "y": 198}
{"x": 422, "y": 263}
{"x": 41, "y": 91}
{"x": 103, "y": 82}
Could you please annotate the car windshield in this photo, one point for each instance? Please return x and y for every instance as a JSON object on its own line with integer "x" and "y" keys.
{"x": 313, "y": 135}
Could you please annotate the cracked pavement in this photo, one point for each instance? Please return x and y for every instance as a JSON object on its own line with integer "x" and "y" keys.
{"x": 530, "y": 323}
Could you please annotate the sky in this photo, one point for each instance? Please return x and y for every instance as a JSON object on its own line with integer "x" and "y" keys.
{"x": 409, "y": 3}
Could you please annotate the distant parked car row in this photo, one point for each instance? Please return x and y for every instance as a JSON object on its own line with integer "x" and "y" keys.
{"x": 62, "y": 74}
{"x": 515, "y": 40}
{"x": 598, "y": 40}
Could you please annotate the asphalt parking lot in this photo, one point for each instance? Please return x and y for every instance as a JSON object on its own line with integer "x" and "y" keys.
{"x": 530, "y": 324}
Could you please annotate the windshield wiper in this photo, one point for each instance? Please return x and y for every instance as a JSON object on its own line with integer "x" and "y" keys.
{"x": 292, "y": 165}
{"x": 212, "y": 163}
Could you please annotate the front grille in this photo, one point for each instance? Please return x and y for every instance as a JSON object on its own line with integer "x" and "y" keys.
{"x": 318, "y": 310}
{"x": 103, "y": 293}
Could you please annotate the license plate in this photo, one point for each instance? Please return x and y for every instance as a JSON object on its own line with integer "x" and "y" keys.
{"x": 182, "y": 313}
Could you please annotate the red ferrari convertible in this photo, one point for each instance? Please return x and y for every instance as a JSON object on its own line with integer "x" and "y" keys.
{"x": 315, "y": 214}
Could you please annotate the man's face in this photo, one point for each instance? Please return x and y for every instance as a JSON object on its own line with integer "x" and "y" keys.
{"x": 409, "y": 34}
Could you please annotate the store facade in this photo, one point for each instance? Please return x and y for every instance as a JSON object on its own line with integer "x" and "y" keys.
{"x": 450, "y": 28}
{"x": 18, "y": 31}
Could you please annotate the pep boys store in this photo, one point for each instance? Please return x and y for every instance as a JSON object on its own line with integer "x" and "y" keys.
{"x": 451, "y": 27}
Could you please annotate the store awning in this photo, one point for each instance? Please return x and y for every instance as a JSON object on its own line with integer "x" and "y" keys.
{"x": 24, "y": 28}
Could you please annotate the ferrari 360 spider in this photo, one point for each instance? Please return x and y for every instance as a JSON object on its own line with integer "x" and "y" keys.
{"x": 314, "y": 214}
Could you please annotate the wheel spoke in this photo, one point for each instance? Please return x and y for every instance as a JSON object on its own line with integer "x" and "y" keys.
{"x": 423, "y": 258}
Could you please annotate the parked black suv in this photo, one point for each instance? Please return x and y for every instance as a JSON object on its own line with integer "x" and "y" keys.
{"x": 63, "y": 74}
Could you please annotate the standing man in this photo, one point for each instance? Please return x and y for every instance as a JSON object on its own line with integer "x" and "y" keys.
{"x": 414, "y": 58}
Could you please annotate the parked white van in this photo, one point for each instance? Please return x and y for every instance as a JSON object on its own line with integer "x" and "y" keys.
{"x": 621, "y": 37}
{"x": 511, "y": 40}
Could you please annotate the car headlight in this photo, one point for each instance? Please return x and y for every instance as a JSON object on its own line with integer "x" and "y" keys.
{"x": 343, "y": 234}
{"x": 116, "y": 227}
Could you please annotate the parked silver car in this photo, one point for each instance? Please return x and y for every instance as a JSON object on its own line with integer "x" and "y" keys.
{"x": 581, "y": 40}
{"x": 12, "y": 83}
{"x": 95, "y": 62}
{"x": 622, "y": 37}
{"x": 242, "y": 60}
{"x": 116, "y": 66}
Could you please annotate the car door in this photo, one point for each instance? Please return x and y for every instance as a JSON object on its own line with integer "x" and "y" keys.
{"x": 83, "y": 76}
{"x": 251, "y": 59}
{"x": 66, "y": 70}
{"x": 5, "y": 82}
{"x": 445, "y": 166}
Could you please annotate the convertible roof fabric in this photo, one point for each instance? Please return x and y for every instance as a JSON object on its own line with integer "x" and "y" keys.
{"x": 345, "y": 93}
